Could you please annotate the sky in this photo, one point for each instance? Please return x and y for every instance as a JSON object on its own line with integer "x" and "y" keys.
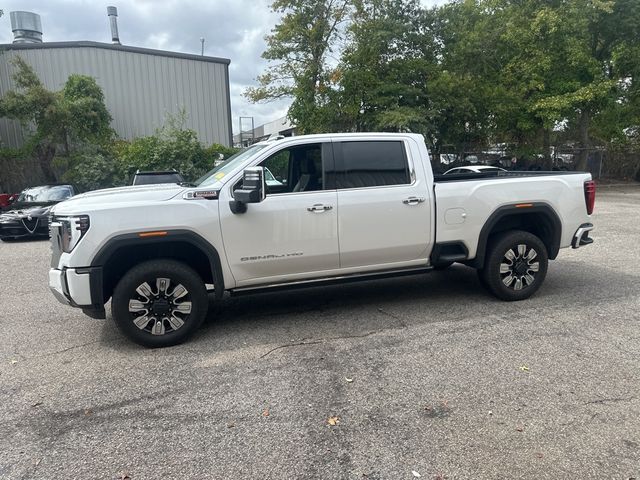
{"x": 232, "y": 29}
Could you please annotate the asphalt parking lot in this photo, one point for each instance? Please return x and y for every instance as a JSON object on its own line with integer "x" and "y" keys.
{"x": 423, "y": 376}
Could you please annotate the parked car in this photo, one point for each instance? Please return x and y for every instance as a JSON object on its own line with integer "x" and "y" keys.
{"x": 27, "y": 216}
{"x": 474, "y": 169}
{"x": 151, "y": 178}
{"x": 352, "y": 206}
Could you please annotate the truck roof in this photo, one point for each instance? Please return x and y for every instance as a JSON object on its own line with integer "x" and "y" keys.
{"x": 325, "y": 136}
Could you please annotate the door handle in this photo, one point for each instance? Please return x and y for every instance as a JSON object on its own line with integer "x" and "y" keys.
{"x": 413, "y": 200}
{"x": 319, "y": 208}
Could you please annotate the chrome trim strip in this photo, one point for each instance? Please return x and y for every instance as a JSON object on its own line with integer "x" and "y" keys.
{"x": 586, "y": 227}
{"x": 313, "y": 281}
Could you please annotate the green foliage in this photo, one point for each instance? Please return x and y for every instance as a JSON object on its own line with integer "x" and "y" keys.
{"x": 467, "y": 74}
{"x": 298, "y": 48}
{"x": 384, "y": 68}
{"x": 75, "y": 116}
{"x": 87, "y": 117}
{"x": 172, "y": 147}
{"x": 93, "y": 169}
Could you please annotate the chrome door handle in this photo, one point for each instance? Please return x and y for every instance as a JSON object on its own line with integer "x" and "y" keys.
{"x": 413, "y": 200}
{"x": 319, "y": 208}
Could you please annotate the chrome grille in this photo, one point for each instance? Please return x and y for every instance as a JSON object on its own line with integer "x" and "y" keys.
{"x": 56, "y": 240}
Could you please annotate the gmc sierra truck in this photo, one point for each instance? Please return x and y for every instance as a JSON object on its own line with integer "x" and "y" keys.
{"x": 331, "y": 208}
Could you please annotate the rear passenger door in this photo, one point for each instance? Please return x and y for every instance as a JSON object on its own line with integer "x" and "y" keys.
{"x": 383, "y": 207}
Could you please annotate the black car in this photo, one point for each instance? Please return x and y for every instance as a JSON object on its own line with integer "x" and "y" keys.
{"x": 150, "y": 178}
{"x": 28, "y": 215}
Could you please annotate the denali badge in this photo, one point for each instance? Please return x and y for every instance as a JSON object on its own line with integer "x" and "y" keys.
{"x": 271, "y": 257}
{"x": 198, "y": 194}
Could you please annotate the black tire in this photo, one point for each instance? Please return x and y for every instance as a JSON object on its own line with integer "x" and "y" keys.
{"x": 160, "y": 303}
{"x": 482, "y": 278}
{"x": 514, "y": 276}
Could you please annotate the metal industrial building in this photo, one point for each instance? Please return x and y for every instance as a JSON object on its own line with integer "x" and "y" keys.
{"x": 141, "y": 86}
{"x": 281, "y": 126}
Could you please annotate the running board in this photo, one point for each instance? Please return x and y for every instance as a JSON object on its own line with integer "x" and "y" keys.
{"x": 354, "y": 277}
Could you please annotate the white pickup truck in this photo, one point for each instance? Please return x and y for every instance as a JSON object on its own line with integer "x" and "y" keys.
{"x": 301, "y": 211}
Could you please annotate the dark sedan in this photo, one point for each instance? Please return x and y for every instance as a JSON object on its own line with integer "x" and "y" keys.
{"x": 28, "y": 215}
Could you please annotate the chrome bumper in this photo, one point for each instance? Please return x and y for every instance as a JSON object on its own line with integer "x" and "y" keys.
{"x": 581, "y": 237}
{"x": 79, "y": 287}
{"x": 57, "y": 284}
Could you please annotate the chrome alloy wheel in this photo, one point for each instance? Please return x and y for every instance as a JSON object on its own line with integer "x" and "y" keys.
{"x": 518, "y": 269}
{"x": 161, "y": 310}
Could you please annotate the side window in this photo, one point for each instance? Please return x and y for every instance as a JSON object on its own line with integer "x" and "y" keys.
{"x": 294, "y": 169}
{"x": 372, "y": 164}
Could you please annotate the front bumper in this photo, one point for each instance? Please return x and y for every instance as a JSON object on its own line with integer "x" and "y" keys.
{"x": 17, "y": 228}
{"x": 79, "y": 287}
{"x": 581, "y": 237}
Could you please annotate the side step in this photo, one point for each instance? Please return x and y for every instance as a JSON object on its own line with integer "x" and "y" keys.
{"x": 356, "y": 277}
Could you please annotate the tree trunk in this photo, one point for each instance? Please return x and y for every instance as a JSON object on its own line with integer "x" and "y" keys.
{"x": 585, "y": 141}
{"x": 45, "y": 155}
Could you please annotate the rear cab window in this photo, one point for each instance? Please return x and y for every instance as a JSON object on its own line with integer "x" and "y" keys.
{"x": 379, "y": 163}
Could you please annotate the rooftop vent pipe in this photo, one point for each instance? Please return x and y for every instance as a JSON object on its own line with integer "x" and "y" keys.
{"x": 26, "y": 27}
{"x": 112, "y": 13}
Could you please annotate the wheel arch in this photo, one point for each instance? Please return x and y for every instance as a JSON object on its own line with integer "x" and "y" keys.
{"x": 537, "y": 218}
{"x": 123, "y": 252}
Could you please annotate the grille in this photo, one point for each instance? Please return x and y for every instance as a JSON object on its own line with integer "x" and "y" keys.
{"x": 56, "y": 241}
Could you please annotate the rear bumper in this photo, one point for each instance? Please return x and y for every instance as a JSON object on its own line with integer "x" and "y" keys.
{"x": 581, "y": 237}
{"x": 79, "y": 287}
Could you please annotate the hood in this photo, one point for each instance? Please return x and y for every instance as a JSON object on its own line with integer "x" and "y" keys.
{"x": 29, "y": 209}
{"x": 110, "y": 197}
{"x": 130, "y": 194}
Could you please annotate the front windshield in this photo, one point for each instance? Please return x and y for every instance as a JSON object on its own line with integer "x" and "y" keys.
{"x": 47, "y": 193}
{"x": 219, "y": 172}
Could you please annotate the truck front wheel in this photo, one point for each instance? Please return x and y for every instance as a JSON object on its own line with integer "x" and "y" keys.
{"x": 159, "y": 303}
{"x": 515, "y": 265}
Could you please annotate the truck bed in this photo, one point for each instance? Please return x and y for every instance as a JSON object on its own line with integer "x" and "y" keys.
{"x": 464, "y": 202}
{"x": 463, "y": 177}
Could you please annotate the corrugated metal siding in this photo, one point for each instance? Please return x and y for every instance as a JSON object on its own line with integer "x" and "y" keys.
{"x": 139, "y": 89}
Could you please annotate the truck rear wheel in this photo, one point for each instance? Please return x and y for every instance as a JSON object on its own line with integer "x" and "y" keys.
{"x": 515, "y": 265}
{"x": 159, "y": 303}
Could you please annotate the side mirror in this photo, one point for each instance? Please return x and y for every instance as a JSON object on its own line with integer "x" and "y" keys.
{"x": 253, "y": 189}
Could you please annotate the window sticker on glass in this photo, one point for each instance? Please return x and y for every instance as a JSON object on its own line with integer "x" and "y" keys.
{"x": 219, "y": 175}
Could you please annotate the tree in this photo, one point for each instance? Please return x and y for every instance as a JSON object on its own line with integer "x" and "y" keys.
{"x": 564, "y": 66}
{"x": 385, "y": 67}
{"x": 298, "y": 49}
{"x": 75, "y": 115}
{"x": 464, "y": 90}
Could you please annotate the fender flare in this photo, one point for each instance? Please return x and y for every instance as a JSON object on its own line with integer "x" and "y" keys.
{"x": 134, "y": 239}
{"x": 510, "y": 210}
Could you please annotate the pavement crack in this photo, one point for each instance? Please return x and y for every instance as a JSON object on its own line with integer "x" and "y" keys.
{"x": 73, "y": 347}
{"x": 394, "y": 316}
{"x": 610, "y": 400}
{"x": 326, "y": 340}
{"x": 297, "y": 344}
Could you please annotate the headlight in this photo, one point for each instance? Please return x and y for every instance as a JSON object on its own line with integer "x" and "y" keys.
{"x": 71, "y": 230}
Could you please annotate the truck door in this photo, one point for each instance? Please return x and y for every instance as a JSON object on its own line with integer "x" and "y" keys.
{"x": 383, "y": 206}
{"x": 293, "y": 233}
